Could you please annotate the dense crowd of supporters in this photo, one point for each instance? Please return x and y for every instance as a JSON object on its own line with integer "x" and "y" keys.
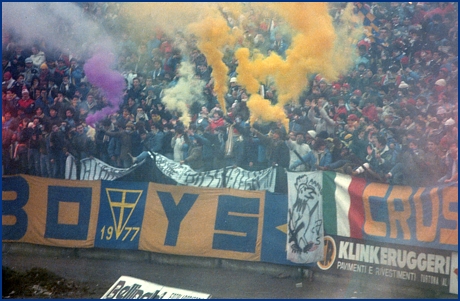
{"x": 392, "y": 118}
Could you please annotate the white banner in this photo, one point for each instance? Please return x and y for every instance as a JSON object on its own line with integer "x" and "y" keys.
{"x": 70, "y": 168}
{"x": 95, "y": 169}
{"x": 132, "y": 288}
{"x": 305, "y": 239}
{"x": 236, "y": 178}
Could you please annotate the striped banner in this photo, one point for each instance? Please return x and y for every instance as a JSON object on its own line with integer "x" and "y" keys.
{"x": 416, "y": 216}
{"x": 342, "y": 192}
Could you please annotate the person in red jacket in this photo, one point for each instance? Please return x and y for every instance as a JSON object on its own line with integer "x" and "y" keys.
{"x": 370, "y": 110}
{"x": 26, "y": 103}
{"x": 216, "y": 121}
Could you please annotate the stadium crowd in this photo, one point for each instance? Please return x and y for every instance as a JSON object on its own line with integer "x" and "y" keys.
{"x": 392, "y": 118}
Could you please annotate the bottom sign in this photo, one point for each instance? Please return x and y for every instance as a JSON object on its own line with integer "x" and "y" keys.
{"x": 395, "y": 264}
{"x": 132, "y": 288}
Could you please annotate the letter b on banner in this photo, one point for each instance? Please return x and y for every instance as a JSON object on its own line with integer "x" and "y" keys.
{"x": 15, "y": 194}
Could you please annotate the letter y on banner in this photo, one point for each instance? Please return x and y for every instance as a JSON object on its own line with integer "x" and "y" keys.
{"x": 305, "y": 240}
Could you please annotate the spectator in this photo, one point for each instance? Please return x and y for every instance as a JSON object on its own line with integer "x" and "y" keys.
{"x": 38, "y": 57}
{"x": 319, "y": 156}
{"x": 44, "y": 101}
{"x": 379, "y": 157}
{"x": 141, "y": 115}
{"x": 26, "y": 104}
{"x": 319, "y": 117}
{"x": 125, "y": 134}
{"x": 57, "y": 151}
{"x": 87, "y": 107}
{"x": 8, "y": 81}
{"x": 18, "y": 85}
{"x": 29, "y": 72}
{"x": 75, "y": 73}
{"x": 435, "y": 164}
{"x": 81, "y": 146}
{"x": 7, "y": 144}
{"x": 298, "y": 149}
{"x": 45, "y": 164}
{"x": 180, "y": 144}
{"x": 412, "y": 167}
{"x": 67, "y": 88}
{"x": 10, "y": 103}
{"x": 195, "y": 155}
{"x": 451, "y": 162}
{"x": 135, "y": 91}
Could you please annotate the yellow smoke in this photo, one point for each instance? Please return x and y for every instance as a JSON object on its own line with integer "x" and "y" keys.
{"x": 213, "y": 35}
{"x": 261, "y": 108}
{"x": 315, "y": 48}
{"x": 316, "y": 45}
{"x": 349, "y": 32}
{"x": 145, "y": 19}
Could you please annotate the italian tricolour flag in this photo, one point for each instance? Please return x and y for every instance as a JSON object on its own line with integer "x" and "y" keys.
{"x": 343, "y": 209}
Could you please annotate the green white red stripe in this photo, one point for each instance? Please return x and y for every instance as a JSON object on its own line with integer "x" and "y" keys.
{"x": 343, "y": 210}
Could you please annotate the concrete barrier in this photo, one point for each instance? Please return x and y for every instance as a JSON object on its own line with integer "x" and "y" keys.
{"x": 274, "y": 270}
{"x": 150, "y": 257}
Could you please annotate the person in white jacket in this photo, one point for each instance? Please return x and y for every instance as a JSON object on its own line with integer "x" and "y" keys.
{"x": 297, "y": 149}
{"x": 322, "y": 123}
{"x": 38, "y": 57}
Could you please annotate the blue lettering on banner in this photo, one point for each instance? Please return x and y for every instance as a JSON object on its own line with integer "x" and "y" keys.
{"x": 175, "y": 213}
{"x": 235, "y": 230}
{"x": 15, "y": 207}
{"x": 59, "y": 194}
{"x": 379, "y": 208}
{"x": 121, "y": 213}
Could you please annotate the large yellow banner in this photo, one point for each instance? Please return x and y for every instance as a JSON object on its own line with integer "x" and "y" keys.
{"x": 222, "y": 223}
{"x": 59, "y": 213}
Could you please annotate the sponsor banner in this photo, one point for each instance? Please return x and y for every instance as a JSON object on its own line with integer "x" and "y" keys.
{"x": 51, "y": 212}
{"x": 305, "y": 217}
{"x": 390, "y": 263}
{"x": 453, "y": 289}
{"x": 236, "y": 178}
{"x": 417, "y": 216}
{"x": 132, "y": 288}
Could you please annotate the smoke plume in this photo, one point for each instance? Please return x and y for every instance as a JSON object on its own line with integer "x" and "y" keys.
{"x": 111, "y": 83}
{"x": 317, "y": 44}
{"x": 187, "y": 90}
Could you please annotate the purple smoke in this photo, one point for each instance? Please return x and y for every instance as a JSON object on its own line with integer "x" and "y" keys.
{"x": 110, "y": 82}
